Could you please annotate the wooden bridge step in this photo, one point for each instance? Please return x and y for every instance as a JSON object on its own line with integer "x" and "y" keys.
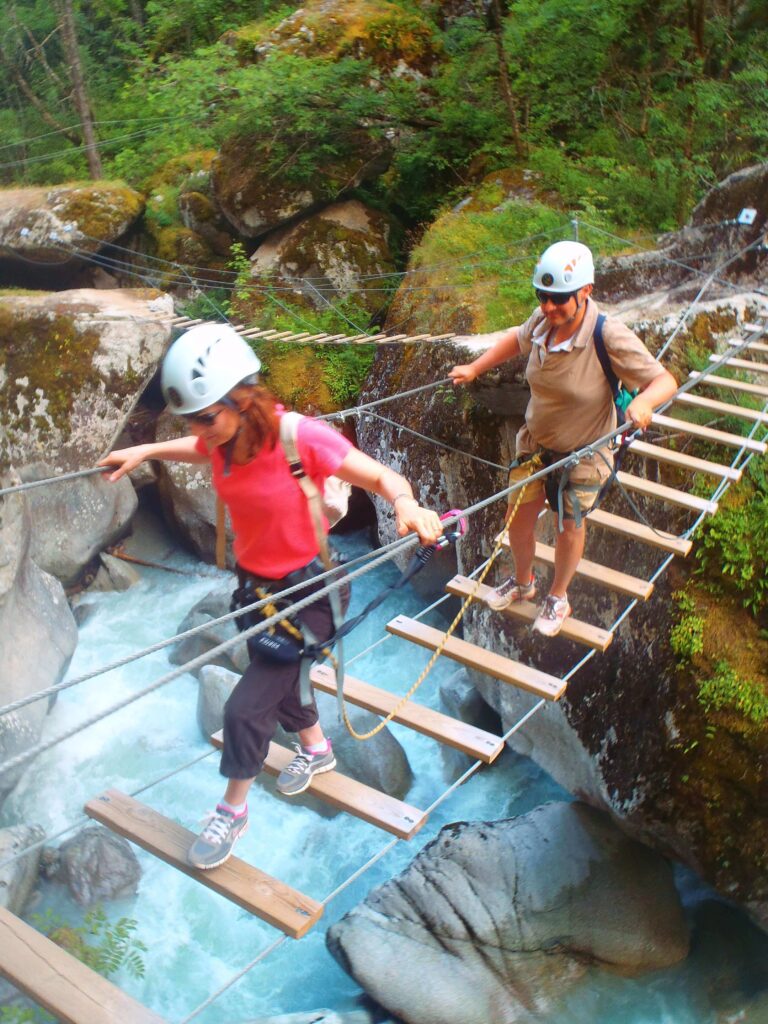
{"x": 573, "y": 629}
{"x": 655, "y": 490}
{"x": 505, "y": 669}
{"x": 742, "y": 364}
{"x": 477, "y": 743}
{"x": 621, "y": 582}
{"x": 708, "y": 434}
{"x": 728, "y": 382}
{"x": 639, "y": 531}
{"x": 59, "y": 982}
{"x": 364, "y": 802}
{"x": 255, "y": 891}
{"x": 722, "y": 408}
{"x": 754, "y": 346}
{"x": 669, "y": 455}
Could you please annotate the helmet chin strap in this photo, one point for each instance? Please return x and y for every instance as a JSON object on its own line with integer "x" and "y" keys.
{"x": 229, "y": 446}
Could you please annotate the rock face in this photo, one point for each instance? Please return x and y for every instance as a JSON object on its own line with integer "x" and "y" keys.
{"x": 254, "y": 204}
{"x": 38, "y": 634}
{"x": 73, "y": 521}
{"x": 711, "y": 237}
{"x": 17, "y": 879}
{"x": 619, "y": 737}
{"x": 98, "y": 865}
{"x": 492, "y": 921}
{"x": 72, "y": 368}
{"x": 331, "y": 250}
{"x": 45, "y": 225}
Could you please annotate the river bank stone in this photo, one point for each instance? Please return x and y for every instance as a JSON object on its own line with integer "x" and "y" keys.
{"x": 98, "y": 865}
{"x": 492, "y": 921}
{"x": 17, "y": 879}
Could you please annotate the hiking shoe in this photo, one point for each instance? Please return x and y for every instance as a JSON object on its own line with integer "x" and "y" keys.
{"x": 510, "y": 591}
{"x": 552, "y": 615}
{"x": 296, "y": 776}
{"x": 215, "y": 843}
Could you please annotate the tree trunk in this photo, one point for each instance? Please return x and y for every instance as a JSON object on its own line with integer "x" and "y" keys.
{"x": 495, "y": 22}
{"x": 80, "y": 93}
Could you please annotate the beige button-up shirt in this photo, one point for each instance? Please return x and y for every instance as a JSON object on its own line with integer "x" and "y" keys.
{"x": 571, "y": 403}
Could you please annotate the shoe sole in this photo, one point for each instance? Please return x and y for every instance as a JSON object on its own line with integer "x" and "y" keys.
{"x": 223, "y": 860}
{"x": 305, "y": 787}
{"x": 537, "y": 629}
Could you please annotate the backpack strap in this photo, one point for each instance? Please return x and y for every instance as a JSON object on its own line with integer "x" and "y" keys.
{"x": 289, "y": 429}
{"x": 602, "y": 355}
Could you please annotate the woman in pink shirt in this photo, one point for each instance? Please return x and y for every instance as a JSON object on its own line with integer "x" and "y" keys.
{"x": 210, "y": 378}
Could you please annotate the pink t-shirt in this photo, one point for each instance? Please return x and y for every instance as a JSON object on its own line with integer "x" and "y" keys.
{"x": 270, "y": 515}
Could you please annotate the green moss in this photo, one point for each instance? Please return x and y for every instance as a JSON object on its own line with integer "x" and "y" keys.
{"x": 101, "y": 210}
{"x": 54, "y": 357}
{"x": 727, "y": 690}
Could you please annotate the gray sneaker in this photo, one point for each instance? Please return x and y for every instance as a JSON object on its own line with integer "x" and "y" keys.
{"x": 215, "y": 843}
{"x": 296, "y": 776}
{"x": 510, "y": 591}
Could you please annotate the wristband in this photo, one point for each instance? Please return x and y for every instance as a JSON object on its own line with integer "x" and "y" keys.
{"x": 399, "y": 496}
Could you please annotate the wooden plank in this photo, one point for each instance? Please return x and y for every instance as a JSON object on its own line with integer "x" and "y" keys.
{"x": 651, "y": 489}
{"x": 477, "y": 743}
{"x": 727, "y": 382}
{"x": 364, "y": 802}
{"x": 721, "y": 408}
{"x": 621, "y": 582}
{"x": 742, "y": 364}
{"x": 708, "y": 434}
{"x": 505, "y": 669}
{"x": 59, "y": 982}
{"x": 656, "y": 451}
{"x": 255, "y": 891}
{"x": 573, "y": 629}
{"x": 640, "y": 532}
{"x": 753, "y": 346}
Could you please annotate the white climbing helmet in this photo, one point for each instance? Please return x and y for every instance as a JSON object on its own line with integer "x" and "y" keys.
{"x": 564, "y": 267}
{"x": 203, "y": 365}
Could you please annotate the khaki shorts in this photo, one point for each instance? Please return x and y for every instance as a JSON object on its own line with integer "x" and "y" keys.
{"x": 584, "y": 483}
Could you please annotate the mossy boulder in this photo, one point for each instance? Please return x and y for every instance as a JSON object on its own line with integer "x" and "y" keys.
{"x": 394, "y": 39}
{"x": 72, "y": 365}
{"x": 328, "y": 256}
{"x": 443, "y": 291}
{"x": 254, "y": 203}
{"x": 50, "y": 225}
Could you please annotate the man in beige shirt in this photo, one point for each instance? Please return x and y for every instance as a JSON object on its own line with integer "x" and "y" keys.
{"x": 571, "y": 406}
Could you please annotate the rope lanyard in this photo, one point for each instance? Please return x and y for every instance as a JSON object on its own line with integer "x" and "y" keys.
{"x": 532, "y": 466}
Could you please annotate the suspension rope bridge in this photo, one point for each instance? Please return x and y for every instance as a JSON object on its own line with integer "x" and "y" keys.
{"x": 67, "y": 994}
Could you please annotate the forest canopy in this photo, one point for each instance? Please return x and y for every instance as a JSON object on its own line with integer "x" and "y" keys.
{"x": 630, "y": 110}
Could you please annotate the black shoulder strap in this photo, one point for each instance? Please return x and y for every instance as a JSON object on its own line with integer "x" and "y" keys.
{"x": 602, "y": 355}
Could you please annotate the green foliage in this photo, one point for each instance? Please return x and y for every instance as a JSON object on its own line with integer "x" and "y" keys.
{"x": 104, "y": 946}
{"x": 733, "y": 550}
{"x": 727, "y": 690}
{"x": 686, "y": 637}
{"x": 346, "y": 369}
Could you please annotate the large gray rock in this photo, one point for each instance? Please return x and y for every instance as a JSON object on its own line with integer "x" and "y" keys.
{"x": 213, "y": 606}
{"x": 98, "y": 865}
{"x": 40, "y": 225}
{"x": 38, "y": 633}
{"x": 17, "y": 879}
{"x": 493, "y": 921}
{"x": 71, "y": 369}
{"x": 73, "y": 521}
{"x": 329, "y": 251}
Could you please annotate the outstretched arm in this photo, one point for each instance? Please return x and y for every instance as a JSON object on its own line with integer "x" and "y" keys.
{"x": 180, "y": 449}
{"x": 505, "y": 345}
{"x": 363, "y": 471}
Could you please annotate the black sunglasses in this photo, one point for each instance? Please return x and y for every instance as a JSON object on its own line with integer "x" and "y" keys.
{"x": 204, "y": 419}
{"x": 557, "y": 298}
